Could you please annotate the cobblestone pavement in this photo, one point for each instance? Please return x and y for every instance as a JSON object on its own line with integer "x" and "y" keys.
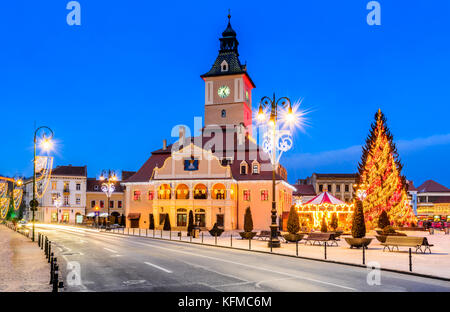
{"x": 23, "y": 266}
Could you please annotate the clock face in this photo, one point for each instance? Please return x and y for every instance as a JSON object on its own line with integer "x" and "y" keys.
{"x": 223, "y": 91}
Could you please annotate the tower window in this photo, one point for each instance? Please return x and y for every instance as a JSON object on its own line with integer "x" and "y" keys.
{"x": 224, "y": 66}
{"x": 224, "y": 113}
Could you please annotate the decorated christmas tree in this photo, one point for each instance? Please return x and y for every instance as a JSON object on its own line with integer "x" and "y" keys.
{"x": 380, "y": 175}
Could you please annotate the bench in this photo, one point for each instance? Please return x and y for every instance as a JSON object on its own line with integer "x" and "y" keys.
{"x": 407, "y": 241}
{"x": 265, "y": 235}
{"x": 321, "y": 238}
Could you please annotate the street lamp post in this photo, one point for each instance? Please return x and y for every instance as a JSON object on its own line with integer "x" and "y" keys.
{"x": 275, "y": 140}
{"x": 46, "y": 145}
{"x": 57, "y": 204}
{"x": 108, "y": 188}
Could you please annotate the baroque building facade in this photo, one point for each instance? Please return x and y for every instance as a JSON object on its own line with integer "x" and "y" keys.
{"x": 217, "y": 174}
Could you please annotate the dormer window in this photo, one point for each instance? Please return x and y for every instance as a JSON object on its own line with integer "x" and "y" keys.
{"x": 224, "y": 66}
{"x": 244, "y": 168}
{"x": 255, "y": 167}
{"x": 95, "y": 187}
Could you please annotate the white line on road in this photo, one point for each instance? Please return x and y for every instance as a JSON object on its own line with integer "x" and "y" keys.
{"x": 158, "y": 267}
{"x": 110, "y": 250}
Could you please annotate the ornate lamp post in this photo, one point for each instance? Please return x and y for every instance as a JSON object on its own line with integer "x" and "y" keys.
{"x": 108, "y": 187}
{"x": 46, "y": 145}
{"x": 275, "y": 142}
{"x": 57, "y": 203}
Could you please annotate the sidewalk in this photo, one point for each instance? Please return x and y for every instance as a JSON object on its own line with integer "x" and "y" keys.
{"x": 435, "y": 264}
{"x": 23, "y": 266}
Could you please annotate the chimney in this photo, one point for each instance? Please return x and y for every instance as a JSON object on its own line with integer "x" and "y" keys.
{"x": 164, "y": 144}
{"x": 182, "y": 134}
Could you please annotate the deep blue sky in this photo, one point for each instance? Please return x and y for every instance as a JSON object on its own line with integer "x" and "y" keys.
{"x": 113, "y": 88}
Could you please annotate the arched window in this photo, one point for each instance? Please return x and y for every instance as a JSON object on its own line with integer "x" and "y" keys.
{"x": 224, "y": 113}
{"x": 182, "y": 192}
{"x": 181, "y": 217}
{"x": 200, "y": 191}
{"x": 224, "y": 66}
{"x": 164, "y": 191}
{"x": 219, "y": 191}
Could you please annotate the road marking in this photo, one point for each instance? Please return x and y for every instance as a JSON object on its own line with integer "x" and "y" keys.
{"x": 158, "y": 267}
{"x": 110, "y": 250}
{"x": 227, "y": 261}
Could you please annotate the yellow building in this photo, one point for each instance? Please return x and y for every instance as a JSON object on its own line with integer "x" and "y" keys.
{"x": 218, "y": 174}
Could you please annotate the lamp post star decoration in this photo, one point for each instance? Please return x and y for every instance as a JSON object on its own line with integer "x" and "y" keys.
{"x": 42, "y": 164}
{"x": 275, "y": 142}
{"x": 108, "y": 187}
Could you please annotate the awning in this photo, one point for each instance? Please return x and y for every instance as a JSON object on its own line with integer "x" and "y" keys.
{"x": 103, "y": 214}
{"x": 91, "y": 214}
{"x": 134, "y": 216}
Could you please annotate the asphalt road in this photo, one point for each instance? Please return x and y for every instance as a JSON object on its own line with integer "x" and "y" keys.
{"x": 112, "y": 262}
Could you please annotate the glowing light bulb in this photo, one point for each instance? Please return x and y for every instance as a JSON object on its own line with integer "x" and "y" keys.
{"x": 261, "y": 116}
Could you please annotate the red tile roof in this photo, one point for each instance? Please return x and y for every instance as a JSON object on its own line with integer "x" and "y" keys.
{"x": 304, "y": 190}
{"x": 70, "y": 171}
{"x": 432, "y": 186}
{"x": 248, "y": 151}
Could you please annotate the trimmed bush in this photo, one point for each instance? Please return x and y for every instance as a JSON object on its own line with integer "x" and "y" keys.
{"x": 152, "y": 222}
{"x": 215, "y": 230}
{"x": 248, "y": 220}
{"x": 334, "y": 222}
{"x": 383, "y": 220}
{"x": 293, "y": 223}
{"x": 323, "y": 227}
{"x": 358, "y": 224}
{"x": 167, "y": 226}
{"x": 190, "y": 226}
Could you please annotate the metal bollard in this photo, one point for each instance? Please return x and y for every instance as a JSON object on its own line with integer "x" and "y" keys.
{"x": 325, "y": 249}
{"x": 161, "y": 233}
{"x": 39, "y": 239}
{"x": 410, "y": 260}
{"x": 146, "y": 232}
{"x": 52, "y": 263}
{"x": 190, "y": 238}
{"x": 296, "y": 248}
{"x": 231, "y": 240}
{"x": 153, "y": 232}
{"x": 215, "y": 238}
{"x": 170, "y": 234}
{"x": 55, "y": 279}
{"x": 364, "y": 254}
{"x": 49, "y": 251}
{"x": 250, "y": 244}
{"x": 202, "y": 237}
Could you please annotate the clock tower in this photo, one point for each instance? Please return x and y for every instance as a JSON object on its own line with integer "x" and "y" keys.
{"x": 228, "y": 87}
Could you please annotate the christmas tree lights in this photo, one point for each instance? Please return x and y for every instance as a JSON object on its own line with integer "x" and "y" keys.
{"x": 380, "y": 175}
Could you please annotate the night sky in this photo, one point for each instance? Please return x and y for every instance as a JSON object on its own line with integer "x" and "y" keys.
{"x": 113, "y": 88}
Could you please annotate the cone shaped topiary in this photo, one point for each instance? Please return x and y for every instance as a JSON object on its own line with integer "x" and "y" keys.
{"x": 293, "y": 223}
{"x": 248, "y": 220}
{"x": 358, "y": 224}
{"x": 323, "y": 227}
{"x": 167, "y": 226}
{"x": 383, "y": 220}
{"x": 334, "y": 222}
{"x": 190, "y": 226}
{"x": 152, "y": 222}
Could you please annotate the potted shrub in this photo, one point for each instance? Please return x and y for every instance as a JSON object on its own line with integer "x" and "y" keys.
{"x": 323, "y": 226}
{"x": 334, "y": 222}
{"x": 293, "y": 226}
{"x": 358, "y": 228}
{"x": 383, "y": 220}
{"x": 190, "y": 226}
{"x": 216, "y": 231}
{"x": 167, "y": 226}
{"x": 248, "y": 225}
{"x": 387, "y": 231}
